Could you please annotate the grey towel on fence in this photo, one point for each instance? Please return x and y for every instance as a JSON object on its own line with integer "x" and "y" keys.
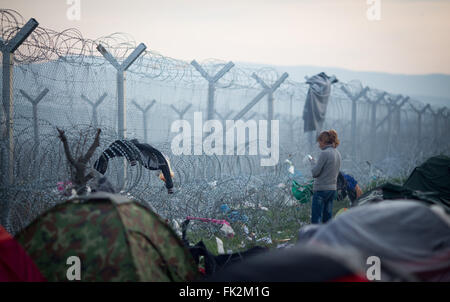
{"x": 317, "y": 101}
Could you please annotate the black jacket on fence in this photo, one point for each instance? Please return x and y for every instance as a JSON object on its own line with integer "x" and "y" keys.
{"x": 150, "y": 157}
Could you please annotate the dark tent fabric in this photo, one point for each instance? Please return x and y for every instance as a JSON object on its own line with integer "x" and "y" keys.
{"x": 296, "y": 264}
{"x": 432, "y": 176}
{"x": 317, "y": 101}
{"x": 372, "y": 196}
{"x": 429, "y": 182}
{"x": 214, "y": 264}
{"x": 15, "y": 264}
{"x": 406, "y": 235}
{"x": 392, "y": 191}
{"x": 307, "y": 231}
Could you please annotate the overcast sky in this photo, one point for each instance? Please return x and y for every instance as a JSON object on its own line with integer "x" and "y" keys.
{"x": 412, "y": 37}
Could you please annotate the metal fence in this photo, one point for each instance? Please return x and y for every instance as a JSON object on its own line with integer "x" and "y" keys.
{"x": 60, "y": 79}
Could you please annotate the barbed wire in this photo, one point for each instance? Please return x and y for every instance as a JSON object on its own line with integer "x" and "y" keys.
{"x": 68, "y": 65}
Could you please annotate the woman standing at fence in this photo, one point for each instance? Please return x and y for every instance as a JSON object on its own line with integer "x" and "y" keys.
{"x": 325, "y": 173}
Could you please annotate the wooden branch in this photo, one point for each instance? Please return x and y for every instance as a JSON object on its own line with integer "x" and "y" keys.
{"x": 92, "y": 148}
{"x": 63, "y": 138}
{"x": 79, "y": 179}
{"x": 89, "y": 176}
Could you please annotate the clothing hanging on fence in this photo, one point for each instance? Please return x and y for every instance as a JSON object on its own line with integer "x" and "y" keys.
{"x": 317, "y": 101}
{"x": 134, "y": 151}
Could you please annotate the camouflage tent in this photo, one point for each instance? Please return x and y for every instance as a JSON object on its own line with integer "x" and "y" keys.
{"x": 114, "y": 238}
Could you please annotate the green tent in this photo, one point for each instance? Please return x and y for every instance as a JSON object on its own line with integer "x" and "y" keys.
{"x": 431, "y": 176}
{"x": 115, "y": 239}
{"x": 429, "y": 182}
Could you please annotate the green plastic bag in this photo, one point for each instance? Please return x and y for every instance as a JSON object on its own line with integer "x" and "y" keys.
{"x": 302, "y": 192}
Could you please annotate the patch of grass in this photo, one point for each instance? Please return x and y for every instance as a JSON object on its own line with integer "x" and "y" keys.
{"x": 278, "y": 223}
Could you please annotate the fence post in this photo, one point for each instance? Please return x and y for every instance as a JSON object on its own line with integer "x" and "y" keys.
{"x": 446, "y": 123}
{"x": 266, "y": 90}
{"x": 392, "y": 110}
{"x": 398, "y": 113}
{"x": 223, "y": 118}
{"x": 397, "y": 109}
{"x": 251, "y": 116}
{"x": 121, "y": 77}
{"x": 226, "y": 116}
{"x": 442, "y": 113}
{"x": 354, "y": 99}
{"x": 436, "y": 115}
{"x": 8, "y": 49}
{"x": 212, "y": 80}
{"x": 373, "y": 121}
{"x": 419, "y": 121}
{"x": 270, "y": 104}
{"x": 180, "y": 113}
{"x": 7, "y": 154}
{"x": 276, "y": 116}
{"x": 256, "y": 99}
{"x": 94, "y": 107}
{"x": 121, "y": 101}
{"x": 144, "y": 114}
{"x": 34, "y": 103}
{"x": 291, "y": 119}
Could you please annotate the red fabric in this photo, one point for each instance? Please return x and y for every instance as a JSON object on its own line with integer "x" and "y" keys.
{"x": 351, "y": 278}
{"x": 15, "y": 264}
